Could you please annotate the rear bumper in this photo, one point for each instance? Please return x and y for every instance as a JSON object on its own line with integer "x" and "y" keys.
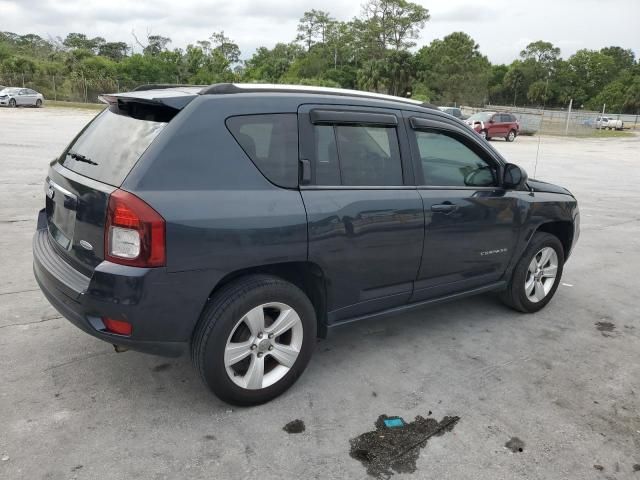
{"x": 162, "y": 307}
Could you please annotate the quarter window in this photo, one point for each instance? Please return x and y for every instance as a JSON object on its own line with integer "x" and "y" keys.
{"x": 357, "y": 156}
{"x": 446, "y": 161}
{"x": 271, "y": 142}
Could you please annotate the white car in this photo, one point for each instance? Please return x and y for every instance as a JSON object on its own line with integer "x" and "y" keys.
{"x": 609, "y": 122}
{"x": 20, "y": 97}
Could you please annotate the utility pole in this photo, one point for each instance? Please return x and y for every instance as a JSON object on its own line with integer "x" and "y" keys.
{"x": 566, "y": 128}
{"x": 602, "y": 115}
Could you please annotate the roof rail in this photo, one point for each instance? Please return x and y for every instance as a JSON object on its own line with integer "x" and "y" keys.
{"x": 160, "y": 86}
{"x": 228, "y": 88}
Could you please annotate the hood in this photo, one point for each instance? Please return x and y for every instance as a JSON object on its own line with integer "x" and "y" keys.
{"x": 540, "y": 186}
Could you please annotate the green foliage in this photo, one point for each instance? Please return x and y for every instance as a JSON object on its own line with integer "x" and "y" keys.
{"x": 454, "y": 69}
{"x": 371, "y": 51}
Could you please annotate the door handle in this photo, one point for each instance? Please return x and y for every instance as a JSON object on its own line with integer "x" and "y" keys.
{"x": 444, "y": 208}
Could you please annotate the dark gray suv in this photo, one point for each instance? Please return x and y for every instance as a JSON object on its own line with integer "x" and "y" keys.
{"x": 240, "y": 222}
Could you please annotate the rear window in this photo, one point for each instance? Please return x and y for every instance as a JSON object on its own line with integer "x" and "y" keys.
{"x": 111, "y": 145}
{"x": 271, "y": 142}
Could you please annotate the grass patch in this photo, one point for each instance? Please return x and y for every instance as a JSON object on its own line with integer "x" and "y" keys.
{"x": 611, "y": 133}
{"x": 589, "y": 134}
{"x": 87, "y": 106}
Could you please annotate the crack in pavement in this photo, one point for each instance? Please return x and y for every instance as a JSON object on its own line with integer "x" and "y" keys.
{"x": 16, "y": 220}
{"x": 30, "y": 323}
{"x": 75, "y": 360}
{"x": 20, "y": 291}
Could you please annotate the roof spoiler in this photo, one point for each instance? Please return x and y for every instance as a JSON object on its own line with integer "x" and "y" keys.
{"x": 175, "y": 99}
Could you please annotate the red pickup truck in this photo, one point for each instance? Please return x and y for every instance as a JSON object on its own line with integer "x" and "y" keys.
{"x": 492, "y": 124}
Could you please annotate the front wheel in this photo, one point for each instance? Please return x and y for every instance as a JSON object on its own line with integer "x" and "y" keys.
{"x": 511, "y": 136}
{"x": 12, "y": 103}
{"x": 254, "y": 339}
{"x": 536, "y": 277}
{"x": 38, "y": 103}
{"x": 484, "y": 134}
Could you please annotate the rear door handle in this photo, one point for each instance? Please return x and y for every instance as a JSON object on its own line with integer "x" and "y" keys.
{"x": 444, "y": 208}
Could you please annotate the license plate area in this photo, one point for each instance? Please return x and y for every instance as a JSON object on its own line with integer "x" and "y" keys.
{"x": 61, "y": 207}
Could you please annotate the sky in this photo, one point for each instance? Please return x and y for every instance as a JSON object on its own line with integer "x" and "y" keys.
{"x": 502, "y": 29}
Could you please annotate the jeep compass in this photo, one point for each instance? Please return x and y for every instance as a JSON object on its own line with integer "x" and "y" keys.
{"x": 238, "y": 223}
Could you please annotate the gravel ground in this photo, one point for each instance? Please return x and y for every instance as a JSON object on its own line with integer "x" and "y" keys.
{"x": 562, "y": 385}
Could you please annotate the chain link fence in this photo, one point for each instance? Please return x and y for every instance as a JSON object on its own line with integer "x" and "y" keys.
{"x": 557, "y": 122}
{"x": 70, "y": 88}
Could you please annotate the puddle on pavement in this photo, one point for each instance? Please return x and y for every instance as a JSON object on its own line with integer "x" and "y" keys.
{"x": 294, "y": 426}
{"x": 515, "y": 445}
{"x": 388, "y": 450}
{"x": 605, "y": 328}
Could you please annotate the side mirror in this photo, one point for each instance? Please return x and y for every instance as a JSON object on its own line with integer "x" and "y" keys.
{"x": 514, "y": 177}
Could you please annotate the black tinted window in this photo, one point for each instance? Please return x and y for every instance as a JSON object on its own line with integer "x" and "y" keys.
{"x": 110, "y": 146}
{"x": 446, "y": 161}
{"x": 357, "y": 156}
{"x": 271, "y": 141}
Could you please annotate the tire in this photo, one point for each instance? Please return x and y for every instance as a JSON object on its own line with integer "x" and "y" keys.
{"x": 516, "y": 294}
{"x": 12, "y": 103}
{"x": 38, "y": 103}
{"x": 511, "y": 136}
{"x": 226, "y": 321}
{"x": 484, "y": 134}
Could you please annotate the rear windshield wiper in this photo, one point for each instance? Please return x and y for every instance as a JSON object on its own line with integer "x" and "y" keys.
{"x": 81, "y": 158}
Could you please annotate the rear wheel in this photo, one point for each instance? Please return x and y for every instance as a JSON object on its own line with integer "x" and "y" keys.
{"x": 12, "y": 103}
{"x": 38, "y": 103}
{"x": 536, "y": 277}
{"x": 254, "y": 339}
{"x": 511, "y": 136}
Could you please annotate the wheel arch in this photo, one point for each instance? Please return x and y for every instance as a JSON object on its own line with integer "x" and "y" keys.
{"x": 562, "y": 229}
{"x": 307, "y": 276}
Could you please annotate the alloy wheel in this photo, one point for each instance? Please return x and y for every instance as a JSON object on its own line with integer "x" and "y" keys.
{"x": 263, "y": 346}
{"x": 541, "y": 274}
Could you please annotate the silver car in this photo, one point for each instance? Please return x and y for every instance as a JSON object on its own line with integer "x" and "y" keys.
{"x": 19, "y": 97}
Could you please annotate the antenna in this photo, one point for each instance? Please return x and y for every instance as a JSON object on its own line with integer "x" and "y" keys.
{"x": 544, "y": 104}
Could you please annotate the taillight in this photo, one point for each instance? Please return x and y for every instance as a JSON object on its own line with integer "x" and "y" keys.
{"x": 134, "y": 232}
{"x": 119, "y": 327}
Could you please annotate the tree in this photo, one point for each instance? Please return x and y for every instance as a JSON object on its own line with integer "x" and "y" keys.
{"x": 79, "y": 41}
{"x": 592, "y": 69}
{"x": 454, "y": 69}
{"x": 623, "y": 59}
{"x": 394, "y": 23}
{"x": 313, "y": 27}
{"x": 541, "y": 52}
{"x": 225, "y": 47}
{"x": 497, "y": 91}
{"x": 271, "y": 65}
{"x": 514, "y": 80}
{"x": 113, "y": 50}
{"x": 156, "y": 44}
{"x": 538, "y": 92}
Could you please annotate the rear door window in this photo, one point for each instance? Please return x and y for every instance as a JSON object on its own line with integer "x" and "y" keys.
{"x": 357, "y": 156}
{"x": 110, "y": 146}
{"x": 271, "y": 142}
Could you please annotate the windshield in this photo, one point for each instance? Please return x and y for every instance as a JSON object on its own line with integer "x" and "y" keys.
{"x": 10, "y": 90}
{"x": 480, "y": 117}
{"x": 110, "y": 146}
